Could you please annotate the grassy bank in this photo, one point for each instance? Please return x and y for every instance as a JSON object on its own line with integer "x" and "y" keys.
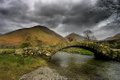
{"x": 78, "y": 50}
{"x": 13, "y": 66}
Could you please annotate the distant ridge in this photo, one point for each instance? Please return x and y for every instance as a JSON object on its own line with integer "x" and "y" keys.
{"x": 113, "y": 38}
{"x": 74, "y": 37}
{"x": 36, "y": 35}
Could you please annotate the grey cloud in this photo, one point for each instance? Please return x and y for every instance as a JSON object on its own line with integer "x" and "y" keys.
{"x": 74, "y": 17}
{"x": 13, "y": 14}
{"x": 86, "y": 15}
{"x": 50, "y": 14}
{"x": 115, "y": 26}
{"x": 82, "y": 14}
{"x": 1, "y": 1}
{"x": 49, "y": 10}
{"x": 14, "y": 10}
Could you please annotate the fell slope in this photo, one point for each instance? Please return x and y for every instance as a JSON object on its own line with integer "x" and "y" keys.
{"x": 114, "y": 38}
{"x": 74, "y": 37}
{"x": 36, "y": 35}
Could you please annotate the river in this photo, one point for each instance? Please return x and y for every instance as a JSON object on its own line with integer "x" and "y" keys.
{"x": 83, "y": 67}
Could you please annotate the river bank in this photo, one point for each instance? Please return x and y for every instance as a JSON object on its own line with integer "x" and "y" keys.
{"x": 12, "y": 67}
{"x": 65, "y": 66}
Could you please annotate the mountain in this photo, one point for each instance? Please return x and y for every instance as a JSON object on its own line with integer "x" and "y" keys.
{"x": 114, "y": 38}
{"x": 0, "y": 34}
{"x": 74, "y": 37}
{"x": 36, "y": 35}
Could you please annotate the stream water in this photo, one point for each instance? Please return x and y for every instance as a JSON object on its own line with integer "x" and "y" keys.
{"x": 83, "y": 67}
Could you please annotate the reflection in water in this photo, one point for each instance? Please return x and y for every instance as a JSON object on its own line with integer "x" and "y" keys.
{"x": 63, "y": 59}
{"x": 82, "y": 67}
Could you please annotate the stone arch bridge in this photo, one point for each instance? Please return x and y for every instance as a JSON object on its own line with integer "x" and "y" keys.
{"x": 100, "y": 50}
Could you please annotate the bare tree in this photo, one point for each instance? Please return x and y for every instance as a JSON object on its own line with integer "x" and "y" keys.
{"x": 89, "y": 35}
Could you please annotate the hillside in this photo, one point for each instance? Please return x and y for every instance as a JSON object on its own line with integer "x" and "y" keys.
{"x": 36, "y": 35}
{"x": 114, "y": 38}
{"x": 74, "y": 37}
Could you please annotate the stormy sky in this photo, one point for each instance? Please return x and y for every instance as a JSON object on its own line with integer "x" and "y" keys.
{"x": 63, "y": 16}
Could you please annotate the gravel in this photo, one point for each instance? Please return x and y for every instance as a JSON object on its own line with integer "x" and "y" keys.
{"x": 43, "y": 73}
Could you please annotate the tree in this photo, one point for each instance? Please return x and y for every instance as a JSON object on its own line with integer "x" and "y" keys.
{"x": 89, "y": 35}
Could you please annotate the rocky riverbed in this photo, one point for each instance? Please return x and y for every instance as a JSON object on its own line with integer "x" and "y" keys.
{"x": 43, "y": 73}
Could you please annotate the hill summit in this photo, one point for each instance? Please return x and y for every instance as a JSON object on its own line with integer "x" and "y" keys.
{"x": 74, "y": 37}
{"x": 36, "y": 35}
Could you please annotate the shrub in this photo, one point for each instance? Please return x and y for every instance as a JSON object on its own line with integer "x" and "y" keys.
{"x": 25, "y": 44}
{"x": 7, "y": 51}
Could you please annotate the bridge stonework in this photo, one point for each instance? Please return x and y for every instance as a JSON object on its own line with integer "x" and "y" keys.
{"x": 100, "y": 50}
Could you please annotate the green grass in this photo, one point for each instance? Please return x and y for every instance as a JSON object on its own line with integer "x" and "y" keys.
{"x": 7, "y": 51}
{"x": 79, "y": 51}
{"x": 14, "y": 66}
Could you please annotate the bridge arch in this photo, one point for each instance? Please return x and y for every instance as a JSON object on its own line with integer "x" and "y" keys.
{"x": 100, "y": 51}
{"x": 94, "y": 51}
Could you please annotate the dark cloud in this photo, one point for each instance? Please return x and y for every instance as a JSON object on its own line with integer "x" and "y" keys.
{"x": 70, "y": 16}
{"x": 51, "y": 14}
{"x": 86, "y": 16}
{"x": 82, "y": 14}
{"x": 1, "y": 1}
{"x": 49, "y": 10}
{"x": 112, "y": 6}
{"x": 14, "y": 10}
{"x": 12, "y": 14}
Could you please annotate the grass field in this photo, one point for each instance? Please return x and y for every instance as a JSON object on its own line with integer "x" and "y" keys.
{"x": 14, "y": 66}
{"x": 79, "y": 51}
